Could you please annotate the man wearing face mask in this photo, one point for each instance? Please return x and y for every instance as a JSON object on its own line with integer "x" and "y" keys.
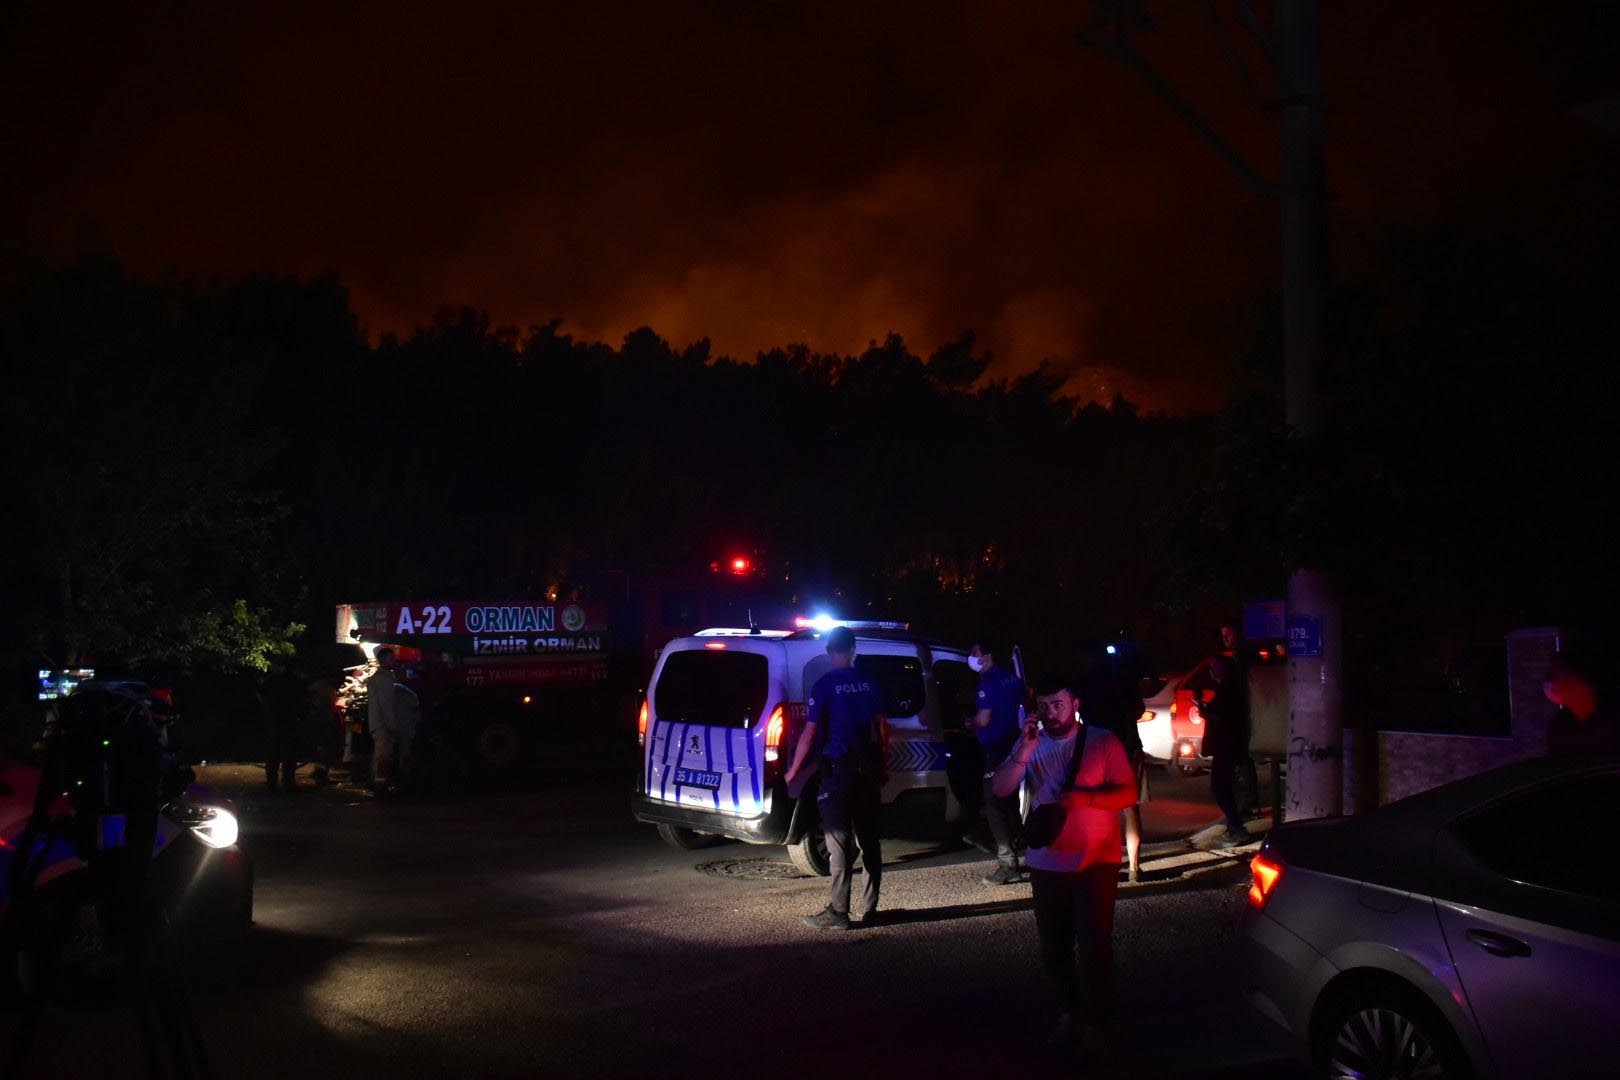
{"x": 997, "y": 725}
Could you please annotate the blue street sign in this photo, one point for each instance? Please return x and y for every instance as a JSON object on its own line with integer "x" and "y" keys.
{"x": 1304, "y": 635}
{"x": 1263, "y": 620}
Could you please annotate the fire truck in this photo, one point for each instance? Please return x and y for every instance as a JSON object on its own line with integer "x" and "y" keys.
{"x": 505, "y": 681}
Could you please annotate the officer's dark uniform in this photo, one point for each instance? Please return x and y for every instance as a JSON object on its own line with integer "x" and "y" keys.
{"x": 843, "y": 705}
{"x": 1002, "y": 692}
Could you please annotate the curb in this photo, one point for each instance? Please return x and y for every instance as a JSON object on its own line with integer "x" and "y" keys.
{"x": 1172, "y": 861}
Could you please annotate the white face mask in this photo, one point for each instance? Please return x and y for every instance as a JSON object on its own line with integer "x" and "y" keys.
{"x": 976, "y": 663}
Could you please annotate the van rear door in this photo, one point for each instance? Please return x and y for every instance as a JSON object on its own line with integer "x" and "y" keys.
{"x": 705, "y": 746}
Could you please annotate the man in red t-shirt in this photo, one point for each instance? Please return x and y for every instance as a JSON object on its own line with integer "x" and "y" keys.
{"x": 1075, "y": 874}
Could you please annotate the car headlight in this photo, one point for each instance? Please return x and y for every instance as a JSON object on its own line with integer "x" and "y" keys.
{"x": 213, "y": 825}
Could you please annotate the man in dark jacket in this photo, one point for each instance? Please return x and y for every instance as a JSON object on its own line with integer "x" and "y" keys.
{"x": 1226, "y": 741}
{"x": 1111, "y": 700}
{"x": 280, "y": 697}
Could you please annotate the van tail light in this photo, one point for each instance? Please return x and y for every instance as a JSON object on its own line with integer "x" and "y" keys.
{"x": 775, "y": 738}
{"x": 1266, "y": 873}
{"x": 641, "y": 725}
{"x": 775, "y": 729}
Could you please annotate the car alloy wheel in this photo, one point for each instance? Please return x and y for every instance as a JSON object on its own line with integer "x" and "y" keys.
{"x": 1382, "y": 1043}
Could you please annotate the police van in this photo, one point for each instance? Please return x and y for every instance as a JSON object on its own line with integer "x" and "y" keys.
{"x": 725, "y": 707}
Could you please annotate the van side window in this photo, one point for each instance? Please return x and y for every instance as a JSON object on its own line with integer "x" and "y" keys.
{"x": 901, "y": 680}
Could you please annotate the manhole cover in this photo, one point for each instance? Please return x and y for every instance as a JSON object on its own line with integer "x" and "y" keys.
{"x": 753, "y": 869}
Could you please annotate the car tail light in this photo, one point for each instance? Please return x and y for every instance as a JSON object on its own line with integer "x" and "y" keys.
{"x": 1266, "y": 873}
{"x": 641, "y": 725}
{"x": 775, "y": 728}
{"x": 1185, "y": 749}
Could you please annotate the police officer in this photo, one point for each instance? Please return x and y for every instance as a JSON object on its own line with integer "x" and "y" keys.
{"x": 847, "y": 727}
{"x": 998, "y": 724}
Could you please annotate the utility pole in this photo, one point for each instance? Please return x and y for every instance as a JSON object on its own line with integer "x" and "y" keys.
{"x": 1315, "y": 689}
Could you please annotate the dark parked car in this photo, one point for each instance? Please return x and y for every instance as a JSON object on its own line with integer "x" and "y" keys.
{"x": 1471, "y": 930}
{"x": 200, "y": 878}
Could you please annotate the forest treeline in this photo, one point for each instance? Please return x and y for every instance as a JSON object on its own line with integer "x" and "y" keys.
{"x": 195, "y": 472}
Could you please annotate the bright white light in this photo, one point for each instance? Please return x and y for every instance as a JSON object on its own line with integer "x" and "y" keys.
{"x": 823, "y": 623}
{"x": 1112, "y": 650}
{"x": 218, "y": 829}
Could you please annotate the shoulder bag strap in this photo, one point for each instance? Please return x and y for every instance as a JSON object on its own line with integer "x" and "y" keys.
{"x": 1074, "y": 762}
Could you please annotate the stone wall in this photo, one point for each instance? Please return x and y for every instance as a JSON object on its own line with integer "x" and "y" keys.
{"x": 1383, "y": 766}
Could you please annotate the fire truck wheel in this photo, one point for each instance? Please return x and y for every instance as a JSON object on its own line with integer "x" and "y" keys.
{"x": 498, "y": 744}
{"x": 686, "y": 839}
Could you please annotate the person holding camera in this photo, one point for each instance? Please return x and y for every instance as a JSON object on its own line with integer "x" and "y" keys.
{"x": 1078, "y": 781}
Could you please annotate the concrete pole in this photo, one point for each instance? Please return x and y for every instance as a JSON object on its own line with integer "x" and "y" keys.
{"x": 1316, "y": 722}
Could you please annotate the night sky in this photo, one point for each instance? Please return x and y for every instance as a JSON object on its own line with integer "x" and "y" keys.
{"x": 765, "y": 173}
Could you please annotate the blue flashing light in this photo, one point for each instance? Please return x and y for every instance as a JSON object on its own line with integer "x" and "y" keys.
{"x": 823, "y": 622}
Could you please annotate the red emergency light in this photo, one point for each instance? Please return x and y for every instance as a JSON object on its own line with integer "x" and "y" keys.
{"x": 740, "y": 565}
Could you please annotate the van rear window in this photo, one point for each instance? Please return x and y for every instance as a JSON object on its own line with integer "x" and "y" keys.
{"x": 712, "y": 687}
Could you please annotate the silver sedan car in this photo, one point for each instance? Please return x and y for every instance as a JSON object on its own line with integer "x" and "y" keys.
{"x": 1469, "y": 931}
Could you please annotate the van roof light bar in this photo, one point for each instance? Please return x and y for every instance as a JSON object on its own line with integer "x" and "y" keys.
{"x": 741, "y": 631}
{"x": 824, "y": 623}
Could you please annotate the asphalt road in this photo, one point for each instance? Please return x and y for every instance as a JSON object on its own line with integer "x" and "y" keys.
{"x": 546, "y": 933}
